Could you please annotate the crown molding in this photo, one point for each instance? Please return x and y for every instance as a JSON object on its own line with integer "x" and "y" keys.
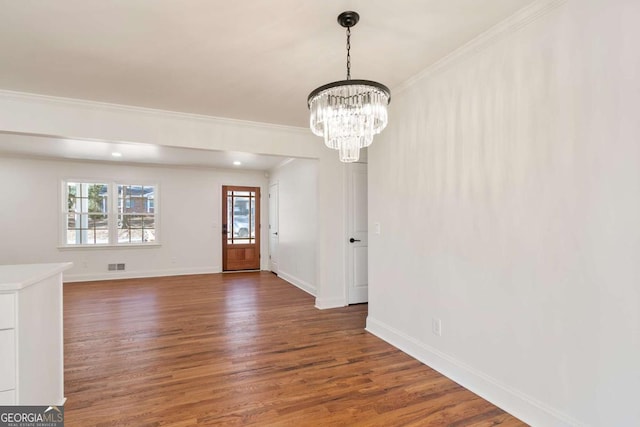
{"x": 505, "y": 28}
{"x": 109, "y": 107}
{"x": 283, "y": 163}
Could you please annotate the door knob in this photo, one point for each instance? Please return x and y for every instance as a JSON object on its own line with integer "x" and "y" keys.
{"x": 353, "y": 240}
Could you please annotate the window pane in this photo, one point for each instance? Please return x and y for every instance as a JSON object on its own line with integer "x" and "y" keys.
{"x": 136, "y": 229}
{"x": 240, "y": 226}
{"x": 240, "y": 223}
{"x": 123, "y": 236}
{"x": 149, "y": 235}
{"x": 87, "y": 229}
{"x": 136, "y": 199}
{"x": 71, "y": 237}
{"x": 253, "y": 216}
{"x": 96, "y": 221}
{"x": 241, "y": 206}
{"x": 136, "y": 235}
{"x": 136, "y": 219}
{"x": 87, "y": 197}
{"x": 71, "y": 221}
{"x": 124, "y": 228}
{"x": 97, "y": 236}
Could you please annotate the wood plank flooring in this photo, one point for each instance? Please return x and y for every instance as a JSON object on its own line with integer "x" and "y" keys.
{"x": 242, "y": 349}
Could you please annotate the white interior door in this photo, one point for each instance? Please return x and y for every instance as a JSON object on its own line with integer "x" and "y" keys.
{"x": 273, "y": 227}
{"x": 357, "y": 238}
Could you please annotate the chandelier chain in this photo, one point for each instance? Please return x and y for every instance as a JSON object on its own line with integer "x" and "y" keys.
{"x": 348, "y": 53}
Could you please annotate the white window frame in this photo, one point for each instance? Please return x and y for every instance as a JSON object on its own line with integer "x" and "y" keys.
{"x": 112, "y": 213}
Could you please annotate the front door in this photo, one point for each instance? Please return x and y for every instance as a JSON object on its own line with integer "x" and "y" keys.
{"x": 240, "y": 228}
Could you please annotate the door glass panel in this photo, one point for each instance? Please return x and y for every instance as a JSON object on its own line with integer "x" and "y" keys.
{"x": 229, "y": 216}
{"x": 252, "y": 209}
{"x": 241, "y": 217}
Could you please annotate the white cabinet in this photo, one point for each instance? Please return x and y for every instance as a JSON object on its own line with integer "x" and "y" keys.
{"x": 31, "y": 334}
{"x": 7, "y": 311}
{"x": 7, "y": 359}
{"x": 8, "y": 397}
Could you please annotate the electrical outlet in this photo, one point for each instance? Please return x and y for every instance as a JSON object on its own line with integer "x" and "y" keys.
{"x": 119, "y": 266}
{"x": 376, "y": 228}
{"x": 112, "y": 267}
{"x": 436, "y": 326}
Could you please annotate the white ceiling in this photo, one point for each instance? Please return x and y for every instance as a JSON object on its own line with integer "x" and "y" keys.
{"x": 251, "y": 60}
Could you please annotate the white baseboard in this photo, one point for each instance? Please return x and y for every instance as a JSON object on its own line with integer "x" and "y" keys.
{"x": 297, "y": 282}
{"x": 526, "y": 408}
{"x": 114, "y": 275}
{"x": 326, "y": 303}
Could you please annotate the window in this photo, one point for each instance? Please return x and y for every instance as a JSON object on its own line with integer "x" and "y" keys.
{"x": 99, "y": 213}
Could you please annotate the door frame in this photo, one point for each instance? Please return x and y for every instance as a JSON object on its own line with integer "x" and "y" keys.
{"x": 224, "y": 226}
{"x": 274, "y": 218}
{"x": 352, "y": 295}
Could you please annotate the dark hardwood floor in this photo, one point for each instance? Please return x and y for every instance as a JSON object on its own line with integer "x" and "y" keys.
{"x": 242, "y": 349}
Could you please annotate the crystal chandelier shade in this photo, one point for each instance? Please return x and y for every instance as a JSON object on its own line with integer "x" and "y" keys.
{"x": 348, "y": 116}
{"x": 348, "y": 113}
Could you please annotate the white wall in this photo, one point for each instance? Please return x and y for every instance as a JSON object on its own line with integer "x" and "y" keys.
{"x": 507, "y": 186}
{"x": 189, "y": 209}
{"x": 298, "y": 222}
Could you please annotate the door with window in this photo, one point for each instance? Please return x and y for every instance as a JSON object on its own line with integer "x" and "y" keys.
{"x": 240, "y": 228}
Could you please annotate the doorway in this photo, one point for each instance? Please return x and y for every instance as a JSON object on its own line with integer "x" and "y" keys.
{"x": 240, "y": 228}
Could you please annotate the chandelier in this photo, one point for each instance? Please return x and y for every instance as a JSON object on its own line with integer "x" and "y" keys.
{"x": 348, "y": 113}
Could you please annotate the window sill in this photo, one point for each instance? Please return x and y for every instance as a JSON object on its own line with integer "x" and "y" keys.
{"x": 109, "y": 247}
